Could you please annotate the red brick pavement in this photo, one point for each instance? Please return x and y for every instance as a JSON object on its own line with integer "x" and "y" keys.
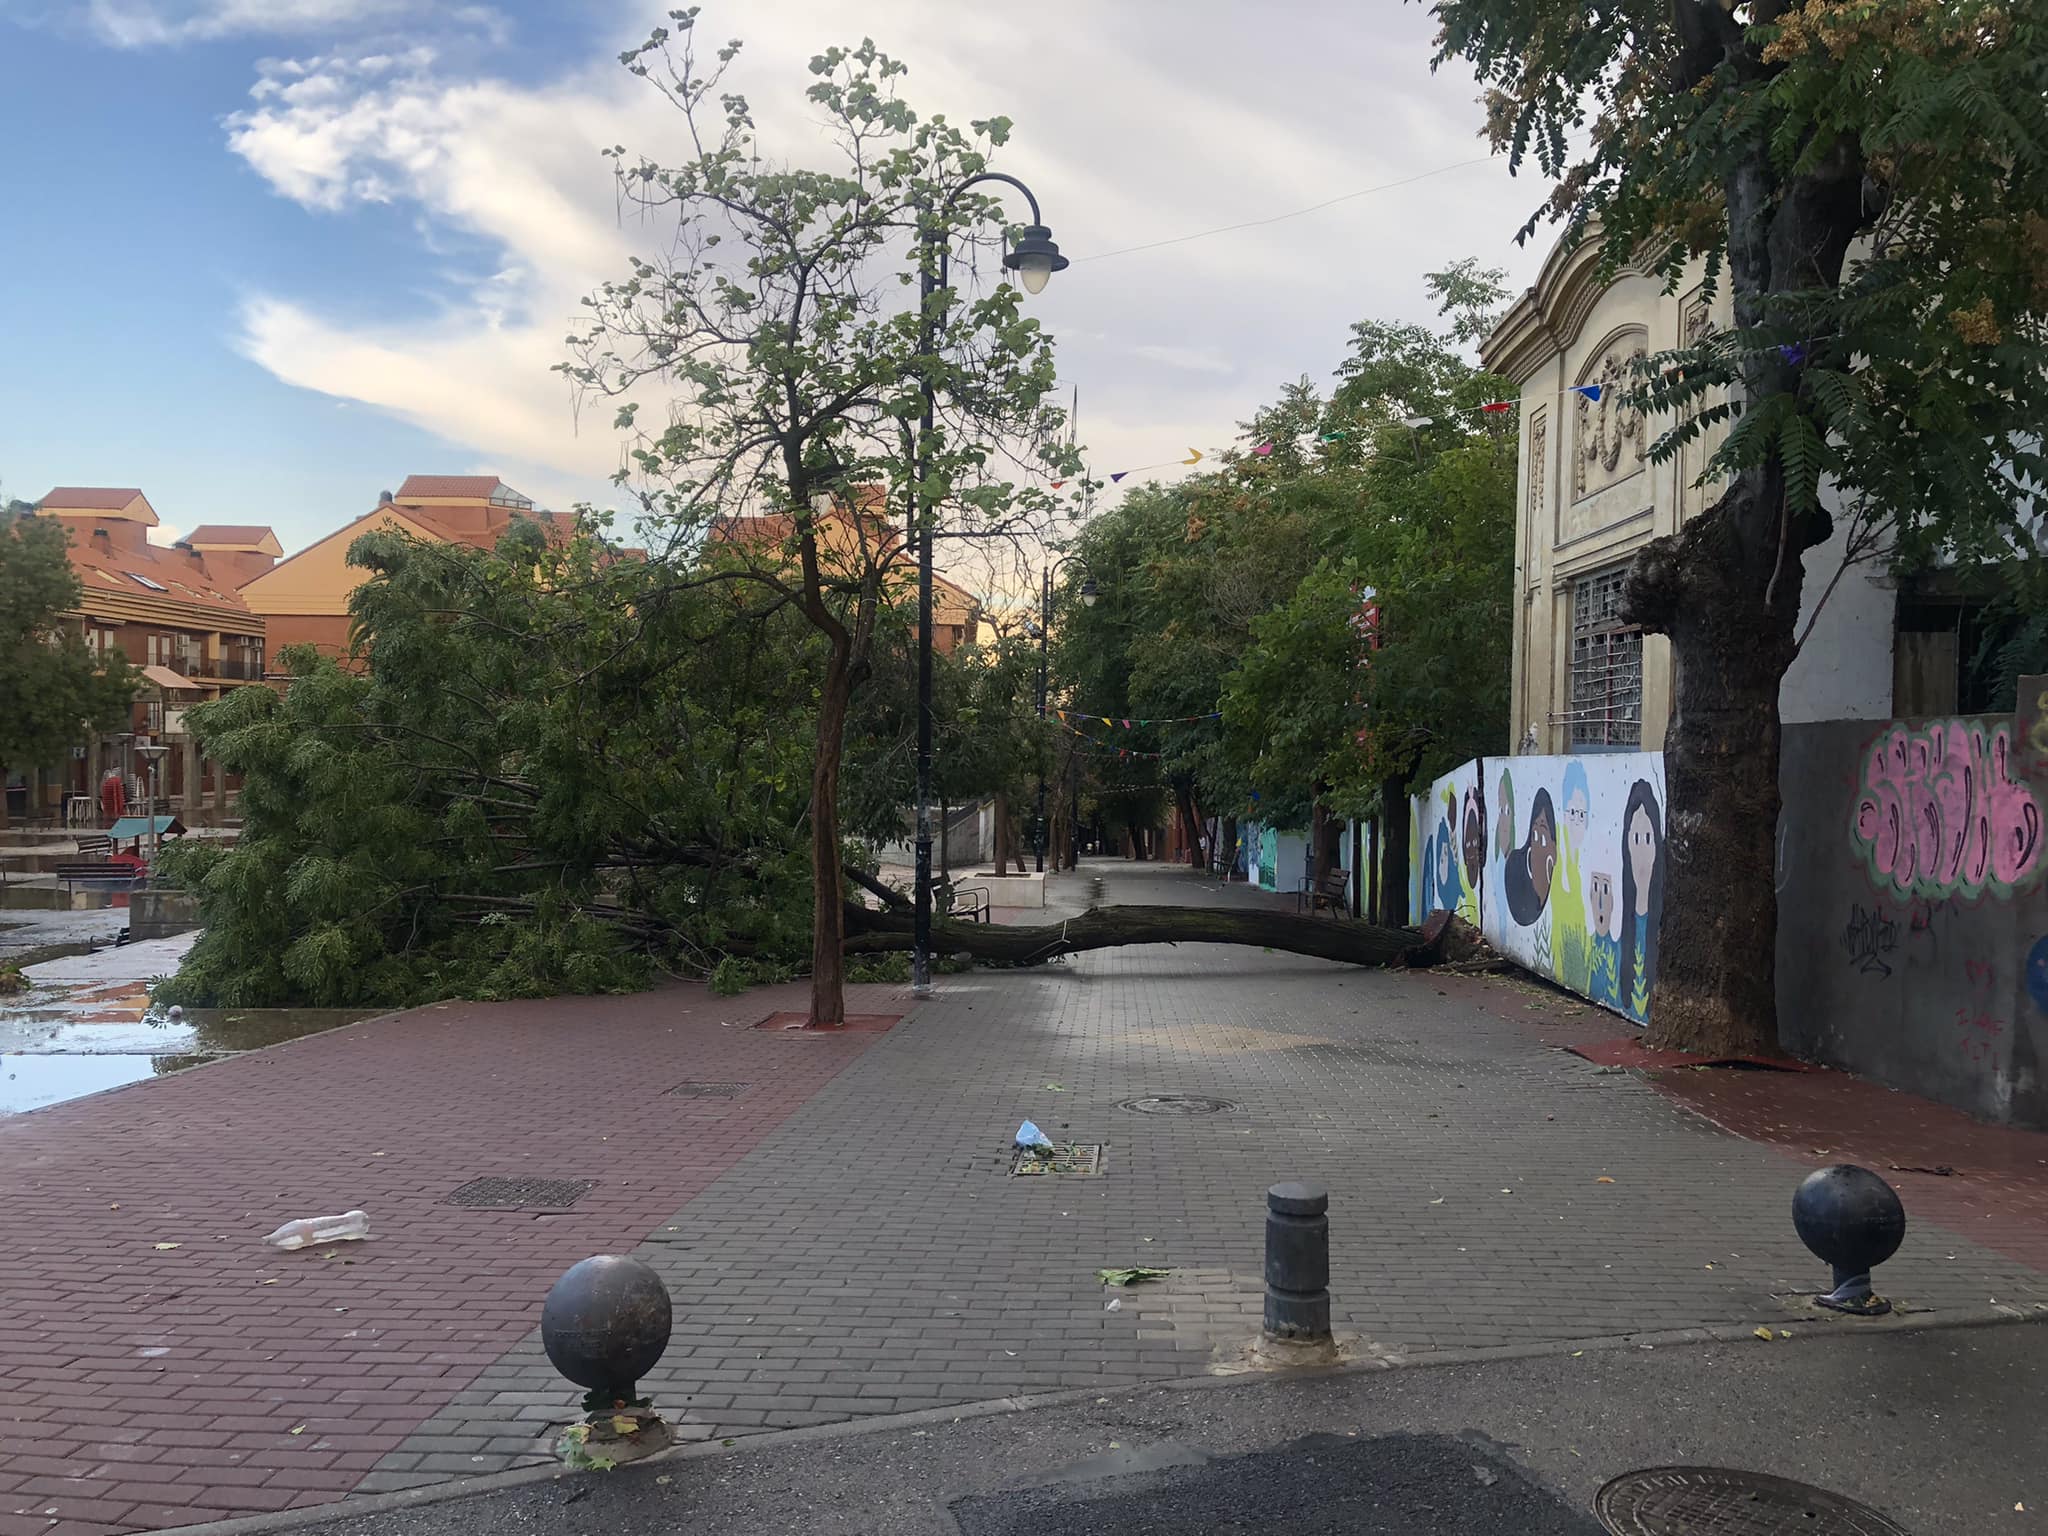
{"x": 160, "y": 1366}
{"x": 1997, "y": 1196}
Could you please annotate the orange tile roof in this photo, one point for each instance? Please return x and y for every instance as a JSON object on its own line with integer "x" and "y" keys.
{"x": 483, "y": 487}
{"x": 176, "y": 575}
{"x": 454, "y": 524}
{"x": 105, "y": 498}
{"x": 229, "y": 533}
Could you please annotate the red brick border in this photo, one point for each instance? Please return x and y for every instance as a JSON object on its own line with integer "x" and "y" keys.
{"x": 160, "y": 1366}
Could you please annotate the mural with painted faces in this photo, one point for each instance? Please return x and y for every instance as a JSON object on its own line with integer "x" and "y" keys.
{"x": 1530, "y": 867}
{"x": 1578, "y": 803}
{"x": 1504, "y": 829}
{"x": 1475, "y": 835}
{"x": 1600, "y": 896}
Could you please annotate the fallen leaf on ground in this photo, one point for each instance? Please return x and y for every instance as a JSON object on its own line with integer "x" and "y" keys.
{"x": 663, "y": 1481}
{"x": 1576, "y": 1353}
{"x": 1603, "y": 1179}
{"x": 1439, "y": 1200}
{"x": 1054, "y": 1088}
{"x": 167, "y": 1247}
{"x": 1764, "y": 1334}
{"x": 622, "y": 1425}
{"x": 271, "y": 1281}
{"x": 297, "y": 1429}
{"x": 1131, "y": 1274}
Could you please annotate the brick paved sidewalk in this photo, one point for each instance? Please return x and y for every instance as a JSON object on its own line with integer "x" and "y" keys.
{"x": 159, "y": 1366}
{"x": 844, "y": 1238}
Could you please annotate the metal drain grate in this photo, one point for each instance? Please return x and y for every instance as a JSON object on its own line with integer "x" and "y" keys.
{"x": 1077, "y": 1157}
{"x": 708, "y": 1090}
{"x": 494, "y": 1194}
{"x": 1718, "y": 1501}
{"x": 1178, "y": 1104}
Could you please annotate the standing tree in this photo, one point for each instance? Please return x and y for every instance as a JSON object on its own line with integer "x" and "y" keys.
{"x": 1870, "y": 179}
{"x": 54, "y": 692}
{"x": 796, "y": 378}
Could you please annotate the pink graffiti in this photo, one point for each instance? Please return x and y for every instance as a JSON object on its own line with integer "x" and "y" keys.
{"x": 1941, "y": 814}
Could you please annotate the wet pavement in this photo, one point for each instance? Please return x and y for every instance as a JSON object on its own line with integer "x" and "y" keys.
{"x": 86, "y": 1025}
{"x": 35, "y": 916}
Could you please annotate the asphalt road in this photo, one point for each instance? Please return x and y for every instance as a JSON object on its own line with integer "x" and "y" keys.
{"x": 1946, "y": 1430}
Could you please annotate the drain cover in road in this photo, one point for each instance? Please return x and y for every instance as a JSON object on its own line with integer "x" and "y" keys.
{"x": 708, "y": 1090}
{"x": 1715, "y": 1501}
{"x": 1177, "y": 1104}
{"x": 1392, "y": 1485}
{"x": 494, "y": 1194}
{"x": 1077, "y": 1157}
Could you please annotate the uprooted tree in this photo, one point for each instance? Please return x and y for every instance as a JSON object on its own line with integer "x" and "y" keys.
{"x": 1869, "y": 179}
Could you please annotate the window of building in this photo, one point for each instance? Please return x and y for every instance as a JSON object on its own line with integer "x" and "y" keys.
{"x": 144, "y": 581}
{"x": 1606, "y": 665}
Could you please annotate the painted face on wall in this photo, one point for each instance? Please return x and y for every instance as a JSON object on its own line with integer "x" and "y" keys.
{"x": 1542, "y": 854}
{"x": 1575, "y": 814}
{"x": 1446, "y": 865}
{"x": 1504, "y": 830}
{"x": 1600, "y": 892}
{"x": 1642, "y": 856}
{"x": 1475, "y": 839}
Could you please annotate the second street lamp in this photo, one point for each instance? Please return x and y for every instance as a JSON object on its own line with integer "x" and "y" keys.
{"x": 1034, "y": 258}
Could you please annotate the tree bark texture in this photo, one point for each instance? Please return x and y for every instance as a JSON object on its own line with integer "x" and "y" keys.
{"x": 828, "y": 907}
{"x": 871, "y": 932}
{"x": 1707, "y": 881}
{"x": 1393, "y": 892}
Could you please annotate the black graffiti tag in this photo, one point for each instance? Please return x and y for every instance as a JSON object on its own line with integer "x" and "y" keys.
{"x": 1868, "y": 938}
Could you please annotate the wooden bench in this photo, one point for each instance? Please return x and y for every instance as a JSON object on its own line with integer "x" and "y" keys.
{"x": 96, "y": 869}
{"x": 1333, "y": 891}
{"x": 91, "y": 846}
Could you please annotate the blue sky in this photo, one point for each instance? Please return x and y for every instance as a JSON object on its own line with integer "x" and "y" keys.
{"x": 267, "y": 257}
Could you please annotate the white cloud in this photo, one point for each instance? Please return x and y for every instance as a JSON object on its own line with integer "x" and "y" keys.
{"x": 156, "y": 23}
{"x": 1130, "y": 133}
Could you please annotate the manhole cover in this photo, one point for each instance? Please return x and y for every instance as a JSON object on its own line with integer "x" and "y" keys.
{"x": 1077, "y": 1157}
{"x": 1715, "y": 1501}
{"x": 1177, "y": 1104}
{"x": 708, "y": 1090}
{"x": 492, "y": 1194}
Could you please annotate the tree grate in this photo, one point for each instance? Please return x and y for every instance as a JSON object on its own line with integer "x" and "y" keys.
{"x": 496, "y": 1194}
{"x": 1718, "y": 1501}
{"x": 1080, "y": 1158}
{"x": 708, "y": 1090}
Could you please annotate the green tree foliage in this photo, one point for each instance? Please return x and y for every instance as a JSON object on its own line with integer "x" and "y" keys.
{"x": 1869, "y": 179}
{"x": 562, "y": 771}
{"x": 778, "y": 323}
{"x": 1245, "y": 590}
{"x": 55, "y": 693}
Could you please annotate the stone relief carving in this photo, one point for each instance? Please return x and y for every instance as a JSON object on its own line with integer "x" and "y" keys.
{"x": 1695, "y": 325}
{"x": 1611, "y": 441}
{"x": 1539, "y": 473}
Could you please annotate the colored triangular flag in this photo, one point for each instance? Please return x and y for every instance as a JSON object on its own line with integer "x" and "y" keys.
{"x": 1118, "y": 476}
{"x": 1263, "y": 449}
{"x": 1497, "y": 405}
{"x": 1127, "y": 725}
{"x": 1194, "y": 456}
{"x": 1057, "y": 484}
{"x": 1591, "y": 391}
{"x": 1107, "y": 721}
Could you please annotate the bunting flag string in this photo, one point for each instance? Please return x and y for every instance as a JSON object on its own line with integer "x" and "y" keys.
{"x": 1067, "y": 716}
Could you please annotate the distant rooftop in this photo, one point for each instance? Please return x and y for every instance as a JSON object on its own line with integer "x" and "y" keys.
{"x": 467, "y": 487}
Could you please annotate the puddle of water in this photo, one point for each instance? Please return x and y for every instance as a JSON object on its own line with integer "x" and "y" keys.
{"x": 68, "y": 1041}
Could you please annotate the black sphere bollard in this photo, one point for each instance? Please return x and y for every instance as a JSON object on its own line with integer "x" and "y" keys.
{"x": 604, "y": 1325}
{"x": 1853, "y": 1222}
{"x": 1298, "y": 1263}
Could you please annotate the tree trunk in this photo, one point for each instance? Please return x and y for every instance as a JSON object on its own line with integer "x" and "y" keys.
{"x": 945, "y": 823}
{"x": 1191, "y": 828}
{"x": 873, "y": 931}
{"x": 1393, "y": 903}
{"x": 3, "y": 797}
{"x": 1226, "y": 846}
{"x": 1726, "y": 590}
{"x": 828, "y": 905}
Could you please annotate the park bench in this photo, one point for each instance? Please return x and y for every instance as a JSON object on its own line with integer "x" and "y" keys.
{"x": 969, "y": 904}
{"x": 96, "y": 869}
{"x": 1332, "y": 890}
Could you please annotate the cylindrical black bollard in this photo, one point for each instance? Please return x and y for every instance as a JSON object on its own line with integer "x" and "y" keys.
{"x": 1298, "y": 1263}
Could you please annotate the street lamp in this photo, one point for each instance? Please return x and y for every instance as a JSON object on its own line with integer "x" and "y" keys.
{"x": 1045, "y": 629}
{"x": 1034, "y": 258}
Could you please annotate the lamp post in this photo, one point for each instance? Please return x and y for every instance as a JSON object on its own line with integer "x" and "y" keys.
{"x": 1045, "y": 630}
{"x": 1034, "y": 258}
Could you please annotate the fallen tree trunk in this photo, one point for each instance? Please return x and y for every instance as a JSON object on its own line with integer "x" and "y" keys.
{"x": 870, "y": 932}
